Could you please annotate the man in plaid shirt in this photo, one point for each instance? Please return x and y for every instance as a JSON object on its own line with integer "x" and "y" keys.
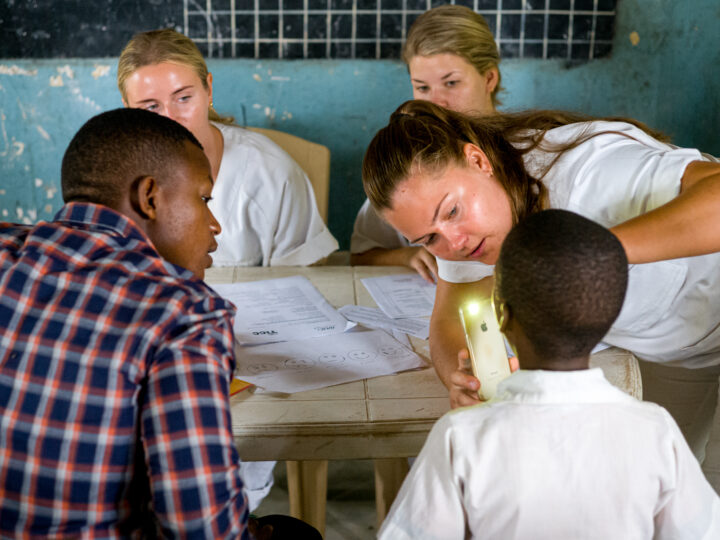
{"x": 115, "y": 357}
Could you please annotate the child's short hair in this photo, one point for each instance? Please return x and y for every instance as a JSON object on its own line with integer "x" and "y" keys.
{"x": 116, "y": 147}
{"x": 563, "y": 278}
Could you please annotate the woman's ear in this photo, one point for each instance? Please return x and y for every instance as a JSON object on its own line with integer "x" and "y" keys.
{"x": 209, "y": 80}
{"x": 477, "y": 158}
{"x": 144, "y": 197}
{"x": 492, "y": 76}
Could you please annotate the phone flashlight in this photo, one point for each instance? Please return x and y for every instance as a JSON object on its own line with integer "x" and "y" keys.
{"x": 486, "y": 344}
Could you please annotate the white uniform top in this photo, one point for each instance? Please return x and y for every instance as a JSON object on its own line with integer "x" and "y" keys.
{"x": 671, "y": 312}
{"x": 265, "y": 205}
{"x": 555, "y": 455}
{"x": 371, "y": 231}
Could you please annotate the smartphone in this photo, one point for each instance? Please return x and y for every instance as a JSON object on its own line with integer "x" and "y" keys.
{"x": 486, "y": 344}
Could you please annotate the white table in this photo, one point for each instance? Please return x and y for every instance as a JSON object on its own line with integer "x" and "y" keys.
{"x": 385, "y": 418}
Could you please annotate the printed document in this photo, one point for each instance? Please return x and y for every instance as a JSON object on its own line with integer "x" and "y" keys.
{"x": 402, "y": 295}
{"x": 375, "y": 318}
{"x": 280, "y": 310}
{"x": 323, "y": 361}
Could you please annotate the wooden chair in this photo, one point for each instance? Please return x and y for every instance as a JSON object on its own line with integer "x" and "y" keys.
{"x": 313, "y": 158}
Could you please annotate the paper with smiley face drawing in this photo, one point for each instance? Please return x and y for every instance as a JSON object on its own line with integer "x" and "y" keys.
{"x": 308, "y": 364}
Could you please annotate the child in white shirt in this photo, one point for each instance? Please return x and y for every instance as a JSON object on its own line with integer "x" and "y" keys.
{"x": 559, "y": 453}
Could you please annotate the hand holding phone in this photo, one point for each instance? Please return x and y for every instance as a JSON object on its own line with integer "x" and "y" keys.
{"x": 486, "y": 345}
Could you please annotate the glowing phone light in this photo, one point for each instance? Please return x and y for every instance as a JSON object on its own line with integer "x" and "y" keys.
{"x": 486, "y": 345}
{"x": 472, "y": 308}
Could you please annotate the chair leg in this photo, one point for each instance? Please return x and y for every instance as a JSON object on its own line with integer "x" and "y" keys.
{"x": 389, "y": 476}
{"x": 307, "y": 489}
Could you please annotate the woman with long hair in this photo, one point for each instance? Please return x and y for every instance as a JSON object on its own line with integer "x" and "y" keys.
{"x": 456, "y": 184}
{"x": 452, "y": 59}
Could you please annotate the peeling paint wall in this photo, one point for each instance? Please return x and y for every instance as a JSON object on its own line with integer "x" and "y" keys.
{"x": 662, "y": 71}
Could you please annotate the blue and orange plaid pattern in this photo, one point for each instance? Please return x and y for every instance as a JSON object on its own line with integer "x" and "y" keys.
{"x": 114, "y": 374}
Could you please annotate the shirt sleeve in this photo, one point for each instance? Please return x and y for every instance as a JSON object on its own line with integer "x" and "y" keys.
{"x": 690, "y": 508}
{"x": 301, "y": 236}
{"x": 463, "y": 271}
{"x": 618, "y": 174}
{"x": 429, "y": 504}
{"x": 371, "y": 231}
{"x": 191, "y": 458}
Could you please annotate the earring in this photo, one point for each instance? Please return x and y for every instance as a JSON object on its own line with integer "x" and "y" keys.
{"x": 211, "y": 104}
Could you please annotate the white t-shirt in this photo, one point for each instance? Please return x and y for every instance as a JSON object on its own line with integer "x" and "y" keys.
{"x": 371, "y": 231}
{"x": 671, "y": 312}
{"x": 555, "y": 455}
{"x": 265, "y": 204}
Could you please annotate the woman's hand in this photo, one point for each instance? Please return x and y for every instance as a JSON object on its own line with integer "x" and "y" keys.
{"x": 463, "y": 385}
{"x": 419, "y": 259}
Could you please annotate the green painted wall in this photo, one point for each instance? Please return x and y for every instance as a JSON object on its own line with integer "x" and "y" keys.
{"x": 666, "y": 77}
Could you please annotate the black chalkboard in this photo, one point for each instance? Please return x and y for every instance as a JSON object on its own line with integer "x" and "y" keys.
{"x": 574, "y": 30}
{"x": 79, "y": 28}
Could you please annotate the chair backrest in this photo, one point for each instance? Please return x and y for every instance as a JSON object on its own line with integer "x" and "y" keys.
{"x": 313, "y": 158}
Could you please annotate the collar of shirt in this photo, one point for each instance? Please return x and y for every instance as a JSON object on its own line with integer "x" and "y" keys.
{"x": 545, "y": 387}
{"x": 100, "y": 217}
{"x": 104, "y": 219}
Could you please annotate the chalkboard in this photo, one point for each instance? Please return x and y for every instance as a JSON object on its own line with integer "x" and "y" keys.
{"x": 569, "y": 29}
{"x": 79, "y": 28}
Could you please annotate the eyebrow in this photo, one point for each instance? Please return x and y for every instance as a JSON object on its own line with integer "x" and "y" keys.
{"x": 175, "y": 92}
{"x": 447, "y": 75}
{"x": 182, "y": 89}
{"x": 434, "y": 219}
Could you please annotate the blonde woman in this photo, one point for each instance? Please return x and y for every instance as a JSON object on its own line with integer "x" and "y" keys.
{"x": 453, "y": 60}
{"x": 262, "y": 199}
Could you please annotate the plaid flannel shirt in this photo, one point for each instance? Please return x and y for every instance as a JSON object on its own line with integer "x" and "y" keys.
{"x": 114, "y": 375}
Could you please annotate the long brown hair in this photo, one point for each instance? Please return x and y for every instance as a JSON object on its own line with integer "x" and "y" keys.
{"x": 158, "y": 46}
{"x": 422, "y": 137}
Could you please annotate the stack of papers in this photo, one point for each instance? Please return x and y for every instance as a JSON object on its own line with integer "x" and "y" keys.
{"x": 290, "y": 339}
{"x": 375, "y": 318}
{"x": 295, "y": 366}
{"x": 402, "y": 296}
{"x": 281, "y": 310}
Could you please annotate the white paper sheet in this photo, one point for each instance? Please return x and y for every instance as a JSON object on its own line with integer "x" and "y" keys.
{"x": 403, "y": 338}
{"x": 375, "y": 318}
{"x": 296, "y": 366}
{"x": 402, "y": 295}
{"x": 280, "y": 310}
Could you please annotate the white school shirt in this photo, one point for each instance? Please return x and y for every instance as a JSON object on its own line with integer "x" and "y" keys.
{"x": 671, "y": 312}
{"x": 555, "y": 455}
{"x": 371, "y": 231}
{"x": 265, "y": 205}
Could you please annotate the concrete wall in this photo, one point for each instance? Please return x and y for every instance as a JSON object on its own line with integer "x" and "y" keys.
{"x": 663, "y": 71}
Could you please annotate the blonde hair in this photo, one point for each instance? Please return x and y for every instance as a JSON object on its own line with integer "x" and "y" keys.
{"x": 455, "y": 30}
{"x": 158, "y": 46}
{"x": 425, "y": 138}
